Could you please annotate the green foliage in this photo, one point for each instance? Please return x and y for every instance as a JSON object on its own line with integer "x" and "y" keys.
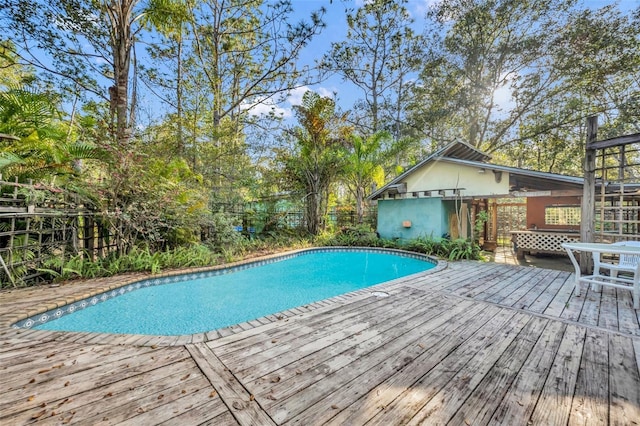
{"x": 377, "y": 56}
{"x": 517, "y": 79}
{"x": 443, "y": 248}
{"x": 318, "y": 157}
{"x": 478, "y": 227}
{"x": 143, "y": 259}
{"x": 139, "y": 259}
{"x": 41, "y": 146}
{"x": 224, "y": 235}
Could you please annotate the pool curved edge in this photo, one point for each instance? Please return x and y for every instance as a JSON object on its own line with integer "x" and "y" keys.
{"x": 100, "y": 286}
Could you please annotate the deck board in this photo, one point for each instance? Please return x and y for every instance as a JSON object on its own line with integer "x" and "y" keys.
{"x": 554, "y": 404}
{"x": 522, "y": 396}
{"x": 624, "y": 391}
{"x": 475, "y": 343}
{"x": 483, "y": 400}
{"x": 591, "y": 399}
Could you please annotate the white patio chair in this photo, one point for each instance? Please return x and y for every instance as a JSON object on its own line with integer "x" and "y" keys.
{"x": 627, "y": 262}
{"x": 628, "y": 265}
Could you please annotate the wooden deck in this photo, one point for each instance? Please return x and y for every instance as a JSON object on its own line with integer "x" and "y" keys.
{"x": 474, "y": 344}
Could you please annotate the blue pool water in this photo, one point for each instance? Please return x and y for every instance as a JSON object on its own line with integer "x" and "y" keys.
{"x": 206, "y": 304}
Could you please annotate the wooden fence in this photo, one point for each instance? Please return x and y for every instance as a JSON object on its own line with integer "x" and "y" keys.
{"x": 43, "y": 226}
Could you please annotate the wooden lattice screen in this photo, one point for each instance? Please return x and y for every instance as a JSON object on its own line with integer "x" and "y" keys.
{"x": 40, "y": 225}
{"x": 512, "y": 216}
{"x": 617, "y": 193}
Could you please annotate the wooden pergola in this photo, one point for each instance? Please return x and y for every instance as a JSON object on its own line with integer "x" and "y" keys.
{"x": 611, "y": 192}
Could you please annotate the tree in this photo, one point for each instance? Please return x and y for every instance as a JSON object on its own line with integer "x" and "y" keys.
{"x": 380, "y": 52}
{"x": 36, "y": 144}
{"x": 169, "y": 18}
{"x": 490, "y": 47}
{"x": 596, "y": 56}
{"x": 363, "y": 166}
{"x": 517, "y": 79}
{"x": 232, "y": 56}
{"x": 78, "y": 35}
{"x": 318, "y": 156}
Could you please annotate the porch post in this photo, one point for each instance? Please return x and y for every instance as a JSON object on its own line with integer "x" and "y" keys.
{"x": 588, "y": 193}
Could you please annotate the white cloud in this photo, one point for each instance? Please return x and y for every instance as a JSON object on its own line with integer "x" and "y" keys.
{"x": 283, "y": 109}
{"x": 327, "y": 93}
{"x": 430, "y": 3}
{"x": 295, "y": 95}
{"x": 266, "y": 107}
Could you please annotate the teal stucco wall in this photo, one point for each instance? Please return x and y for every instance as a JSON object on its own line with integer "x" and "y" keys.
{"x": 428, "y": 217}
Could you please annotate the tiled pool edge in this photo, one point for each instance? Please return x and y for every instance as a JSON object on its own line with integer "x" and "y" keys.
{"x": 153, "y": 340}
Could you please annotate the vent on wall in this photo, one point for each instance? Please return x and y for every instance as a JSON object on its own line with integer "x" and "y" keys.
{"x": 399, "y": 188}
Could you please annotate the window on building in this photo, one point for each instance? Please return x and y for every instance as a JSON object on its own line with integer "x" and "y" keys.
{"x": 562, "y": 215}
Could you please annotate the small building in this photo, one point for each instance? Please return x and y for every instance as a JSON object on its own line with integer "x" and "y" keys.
{"x": 456, "y": 190}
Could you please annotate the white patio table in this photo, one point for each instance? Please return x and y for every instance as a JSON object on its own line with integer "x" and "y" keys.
{"x": 630, "y": 282}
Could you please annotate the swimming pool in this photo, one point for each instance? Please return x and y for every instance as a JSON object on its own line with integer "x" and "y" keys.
{"x": 201, "y": 302}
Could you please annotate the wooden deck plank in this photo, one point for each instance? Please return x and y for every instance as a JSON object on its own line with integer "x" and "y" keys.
{"x": 608, "y": 309}
{"x": 590, "y": 313}
{"x": 252, "y": 341}
{"x": 467, "y": 285}
{"x": 544, "y": 299}
{"x": 240, "y": 403}
{"x": 342, "y": 367}
{"x": 24, "y": 352}
{"x": 523, "y": 394}
{"x": 554, "y": 404}
{"x": 248, "y": 338}
{"x": 627, "y": 318}
{"x": 535, "y": 291}
{"x": 517, "y": 290}
{"x": 197, "y": 413}
{"x": 591, "y": 399}
{"x": 171, "y": 401}
{"x": 624, "y": 379}
{"x": 483, "y": 399}
{"x": 636, "y": 347}
{"x": 479, "y": 286}
{"x": 502, "y": 287}
{"x": 494, "y": 336}
{"x": 384, "y": 393}
{"x": 92, "y": 402}
{"x": 561, "y": 298}
{"x": 299, "y": 362}
{"x": 78, "y": 360}
{"x": 281, "y": 354}
{"x": 458, "y": 279}
{"x": 574, "y": 306}
{"x": 333, "y": 329}
{"x": 432, "y": 350}
{"x": 123, "y": 408}
{"x": 341, "y": 389}
{"x": 40, "y": 358}
{"x": 443, "y": 406}
{"x": 223, "y": 419}
{"x": 27, "y": 395}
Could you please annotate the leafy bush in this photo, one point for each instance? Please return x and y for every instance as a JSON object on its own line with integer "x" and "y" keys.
{"x": 139, "y": 259}
{"x": 443, "y": 248}
{"x": 223, "y": 233}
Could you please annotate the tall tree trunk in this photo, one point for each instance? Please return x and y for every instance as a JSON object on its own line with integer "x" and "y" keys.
{"x": 360, "y": 203}
{"x": 121, "y": 39}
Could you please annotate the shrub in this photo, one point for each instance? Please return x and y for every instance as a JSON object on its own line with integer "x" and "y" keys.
{"x": 443, "y": 248}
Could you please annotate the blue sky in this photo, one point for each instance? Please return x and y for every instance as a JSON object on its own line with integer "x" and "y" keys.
{"x": 336, "y": 30}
